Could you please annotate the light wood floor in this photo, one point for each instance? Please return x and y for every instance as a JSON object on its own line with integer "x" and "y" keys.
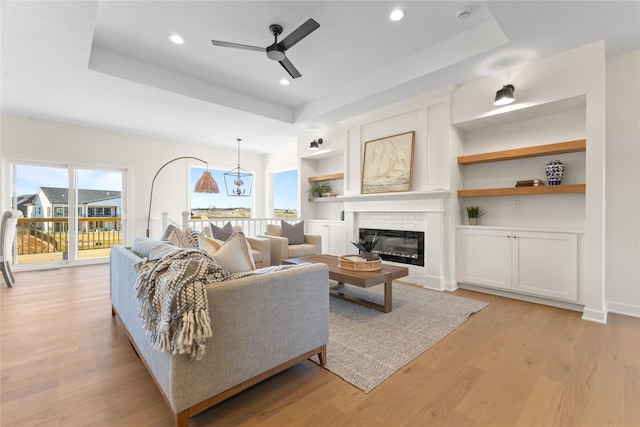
{"x": 66, "y": 362}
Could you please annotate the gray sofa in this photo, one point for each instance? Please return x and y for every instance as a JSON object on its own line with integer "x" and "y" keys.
{"x": 261, "y": 325}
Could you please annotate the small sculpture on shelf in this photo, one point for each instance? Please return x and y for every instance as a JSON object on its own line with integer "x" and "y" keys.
{"x": 474, "y": 212}
{"x": 555, "y": 172}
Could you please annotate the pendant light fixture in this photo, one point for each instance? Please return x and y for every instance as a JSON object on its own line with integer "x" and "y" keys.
{"x": 238, "y": 181}
{"x": 206, "y": 183}
{"x": 505, "y": 95}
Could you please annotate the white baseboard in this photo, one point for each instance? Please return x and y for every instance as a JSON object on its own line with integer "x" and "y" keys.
{"x": 523, "y": 297}
{"x": 624, "y": 309}
{"x": 594, "y": 316}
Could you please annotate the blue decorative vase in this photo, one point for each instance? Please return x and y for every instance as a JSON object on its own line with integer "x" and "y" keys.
{"x": 555, "y": 172}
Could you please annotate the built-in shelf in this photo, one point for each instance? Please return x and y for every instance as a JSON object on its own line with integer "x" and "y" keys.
{"x": 329, "y": 177}
{"x": 324, "y": 199}
{"x": 524, "y": 191}
{"x": 526, "y": 152}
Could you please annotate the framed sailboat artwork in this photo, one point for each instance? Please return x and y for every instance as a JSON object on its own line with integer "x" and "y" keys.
{"x": 388, "y": 164}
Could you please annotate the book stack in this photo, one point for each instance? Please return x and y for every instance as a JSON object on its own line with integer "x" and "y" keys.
{"x": 529, "y": 183}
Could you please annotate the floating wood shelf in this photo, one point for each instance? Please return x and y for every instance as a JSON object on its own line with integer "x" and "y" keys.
{"x": 521, "y": 153}
{"x": 524, "y": 191}
{"x": 339, "y": 175}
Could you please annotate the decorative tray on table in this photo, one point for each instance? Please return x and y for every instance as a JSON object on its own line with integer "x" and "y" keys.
{"x": 357, "y": 263}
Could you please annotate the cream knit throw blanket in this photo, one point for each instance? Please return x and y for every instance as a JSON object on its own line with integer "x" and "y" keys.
{"x": 173, "y": 301}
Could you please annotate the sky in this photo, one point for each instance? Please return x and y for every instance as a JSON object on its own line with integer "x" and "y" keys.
{"x": 30, "y": 178}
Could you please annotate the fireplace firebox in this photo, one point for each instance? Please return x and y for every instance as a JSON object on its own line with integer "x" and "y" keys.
{"x": 401, "y": 246}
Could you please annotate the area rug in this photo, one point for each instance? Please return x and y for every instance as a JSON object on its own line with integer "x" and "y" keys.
{"x": 367, "y": 346}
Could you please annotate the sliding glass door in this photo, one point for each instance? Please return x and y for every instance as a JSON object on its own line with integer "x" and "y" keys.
{"x": 69, "y": 213}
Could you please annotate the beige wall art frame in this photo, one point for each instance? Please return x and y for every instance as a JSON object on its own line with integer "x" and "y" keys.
{"x": 388, "y": 164}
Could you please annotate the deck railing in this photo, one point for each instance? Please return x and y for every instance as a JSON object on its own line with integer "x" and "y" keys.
{"x": 250, "y": 226}
{"x": 38, "y": 236}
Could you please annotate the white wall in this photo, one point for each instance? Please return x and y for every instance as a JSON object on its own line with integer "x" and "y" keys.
{"x": 575, "y": 73}
{"x": 623, "y": 184}
{"x": 39, "y": 140}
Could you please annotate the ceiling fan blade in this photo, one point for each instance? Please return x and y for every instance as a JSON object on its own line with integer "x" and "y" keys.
{"x": 237, "y": 45}
{"x": 287, "y": 65}
{"x": 299, "y": 33}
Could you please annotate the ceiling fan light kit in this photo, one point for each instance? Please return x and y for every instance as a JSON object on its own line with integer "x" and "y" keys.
{"x": 277, "y": 50}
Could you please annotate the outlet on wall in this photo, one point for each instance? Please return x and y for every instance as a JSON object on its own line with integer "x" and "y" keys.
{"x": 516, "y": 204}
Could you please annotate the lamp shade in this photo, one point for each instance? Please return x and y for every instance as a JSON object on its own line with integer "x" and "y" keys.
{"x": 315, "y": 144}
{"x": 206, "y": 184}
{"x": 505, "y": 95}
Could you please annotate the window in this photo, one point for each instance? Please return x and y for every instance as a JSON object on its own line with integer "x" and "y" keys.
{"x": 217, "y": 205}
{"x": 285, "y": 194}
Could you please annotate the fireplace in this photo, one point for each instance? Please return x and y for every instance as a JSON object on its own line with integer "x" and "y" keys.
{"x": 406, "y": 247}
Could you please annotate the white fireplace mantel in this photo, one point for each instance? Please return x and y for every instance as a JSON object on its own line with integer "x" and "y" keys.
{"x": 413, "y": 201}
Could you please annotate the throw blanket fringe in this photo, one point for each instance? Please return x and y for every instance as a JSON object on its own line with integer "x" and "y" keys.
{"x": 173, "y": 302}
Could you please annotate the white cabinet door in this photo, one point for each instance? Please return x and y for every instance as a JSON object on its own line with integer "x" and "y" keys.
{"x": 337, "y": 241}
{"x": 332, "y": 232}
{"x": 484, "y": 257}
{"x": 546, "y": 264}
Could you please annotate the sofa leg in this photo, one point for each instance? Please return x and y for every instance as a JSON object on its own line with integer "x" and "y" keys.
{"x": 322, "y": 356}
{"x": 182, "y": 419}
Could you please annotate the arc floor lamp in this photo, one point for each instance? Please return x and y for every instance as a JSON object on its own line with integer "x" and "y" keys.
{"x": 206, "y": 183}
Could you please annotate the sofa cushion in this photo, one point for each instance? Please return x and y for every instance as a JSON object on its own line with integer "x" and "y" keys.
{"x": 305, "y": 249}
{"x": 142, "y": 246}
{"x": 223, "y": 233}
{"x": 234, "y": 255}
{"x": 274, "y": 230}
{"x": 295, "y": 232}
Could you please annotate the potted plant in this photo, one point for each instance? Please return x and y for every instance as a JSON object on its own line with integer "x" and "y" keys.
{"x": 319, "y": 190}
{"x": 474, "y": 212}
{"x": 366, "y": 246}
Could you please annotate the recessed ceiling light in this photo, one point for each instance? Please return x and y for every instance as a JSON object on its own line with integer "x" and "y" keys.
{"x": 396, "y": 14}
{"x": 284, "y": 82}
{"x": 175, "y": 38}
{"x": 463, "y": 13}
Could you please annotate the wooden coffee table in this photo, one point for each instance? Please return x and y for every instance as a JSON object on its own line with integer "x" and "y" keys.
{"x": 363, "y": 279}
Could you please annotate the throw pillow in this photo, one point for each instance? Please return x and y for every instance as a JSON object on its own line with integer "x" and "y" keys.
{"x": 295, "y": 233}
{"x": 222, "y": 233}
{"x": 161, "y": 251}
{"x": 192, "y": 236}
{"x": 176, "y": 236}
{"x": 208, "y": 244}
{"x": 235, "y": 254}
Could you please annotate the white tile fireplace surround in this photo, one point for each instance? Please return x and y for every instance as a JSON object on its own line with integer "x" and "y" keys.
{"x": 406, "y": 211}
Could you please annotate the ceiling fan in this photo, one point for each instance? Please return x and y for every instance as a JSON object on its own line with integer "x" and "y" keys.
{"x": 277, "y": 50}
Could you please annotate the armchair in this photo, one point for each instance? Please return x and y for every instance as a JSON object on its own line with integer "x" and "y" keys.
{"x": 7, "y": 236}
{"x": 281, "y": 249}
